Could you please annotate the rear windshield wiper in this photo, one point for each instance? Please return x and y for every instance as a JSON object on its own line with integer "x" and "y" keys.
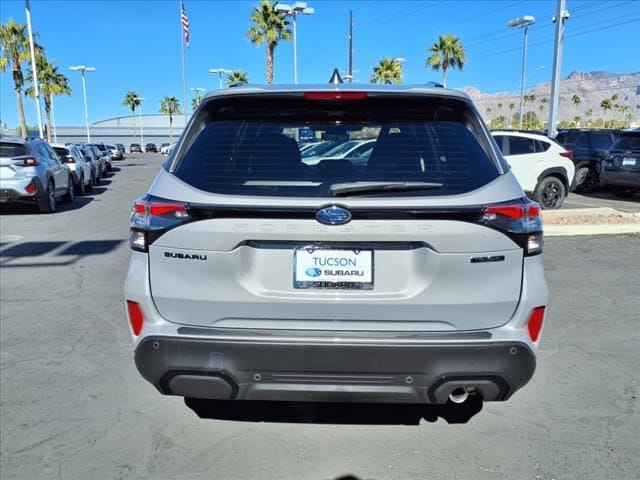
{"x": 357, "y": 188}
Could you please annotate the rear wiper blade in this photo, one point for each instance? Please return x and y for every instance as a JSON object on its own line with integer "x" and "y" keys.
{"x": 357, "y": 188}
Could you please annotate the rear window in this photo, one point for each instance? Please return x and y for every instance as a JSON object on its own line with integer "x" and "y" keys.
{"x": 12, "y": 149}
{"x": 627, "y": 142}
{"x": 247, "y": 146}
{"x": 62, "y": 152}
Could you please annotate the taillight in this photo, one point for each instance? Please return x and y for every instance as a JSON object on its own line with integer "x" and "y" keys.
{"x": 136, "y": 319}
{"x": 335, "y": 96}
{"x": 69, "y": 159}
{"x": 567, "y": 154}
{"x": 534, "y": 326}
{"x": 520, "y": 220}
{"x": 151, "y": 217}
{"x": 30, "y": 162}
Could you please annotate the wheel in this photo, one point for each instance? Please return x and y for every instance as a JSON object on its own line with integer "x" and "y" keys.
{"x": 69, "y": 196}
{"x": 48, "y": 203}
{"x": 623, "y": 192}
{"x": 586, "y": 180}
{"x": 550, "y": 193}
{"x": 80, "y": 187}
{"x": 109, "y": 167}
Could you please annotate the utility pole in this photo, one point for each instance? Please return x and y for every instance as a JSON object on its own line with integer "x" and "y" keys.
{"x": 34, "y": 70}
{"x": 559, "y": 19}
{"x": 350, "y": 76}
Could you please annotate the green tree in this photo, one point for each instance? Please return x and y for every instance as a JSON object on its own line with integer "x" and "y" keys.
{"x": 133, "y": 101}
{"x": 237, "y": 77}
{"x": 14, "y": 44}
{"x": 170, "y": 106}
{"x": 497, "y": 122}
{"x": 51, "y": 82}
{"x": 576, "y": 100}
{"x": 447, "y": 52}
{"x": 606, "y": 104}
{"x": 530, "y": 120}
{"x": 589, "y": 113}
{"x": 195, "y": 101}
{"x": 388, "y": 70}
{"x": 268, "y": 26}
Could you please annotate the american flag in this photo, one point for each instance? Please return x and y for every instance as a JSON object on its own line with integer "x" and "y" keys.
{"x": 185, "y": 23}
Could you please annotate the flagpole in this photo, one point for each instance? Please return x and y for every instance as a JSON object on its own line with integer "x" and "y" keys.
{"x": 184, "y": 74}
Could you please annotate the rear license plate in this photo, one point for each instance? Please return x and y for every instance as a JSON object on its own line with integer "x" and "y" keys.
{"x": 344, "y": 269}
{"x": 628, "y": 162}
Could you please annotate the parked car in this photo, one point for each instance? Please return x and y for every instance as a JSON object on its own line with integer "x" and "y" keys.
{"x": 135, "y": 147}
{"x": 164, "y": 148}
{"x": 543, "y": 167}
{"x": 81, "y": 170}
{"x": 150, "y": 147}
{"x": 621, "y": 165}
{"x": 92, "y": 155}
{"x": 121, "y": 148}
{"x": 31, "y": 172}
{"x": 106, "y": 155}
{"x": 416, "y": 278}
{"x": 95, "y": 151}
{"x": 116, "y": 153}
{"x": 351, "y": 148}
{"x": 588, "y": 147}
{"x": 318, "y": 149}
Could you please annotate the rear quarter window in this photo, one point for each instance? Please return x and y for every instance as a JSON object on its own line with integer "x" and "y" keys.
{"x": 246, "y": 146}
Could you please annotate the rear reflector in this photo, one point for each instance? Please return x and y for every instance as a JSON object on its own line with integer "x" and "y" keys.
{"x": 31, "y": 188}
{"x": 335, "y": 96}
{"x": 534, "y": 326}
{"x": 136, "y": 319}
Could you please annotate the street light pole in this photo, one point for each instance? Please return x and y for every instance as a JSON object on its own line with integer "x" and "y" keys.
{"x": 292, "y": 11}
{"x": 34, "y": 70}
{"x": 559, "y": 19}
{"x": 520, "y": 23}
{"x": 82, "y": 69}
{"x": 141, "y": 99}
{"x": 219, "y": 72}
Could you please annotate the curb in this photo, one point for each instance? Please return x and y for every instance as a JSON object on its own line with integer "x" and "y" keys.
{"x": 566, "y": 228}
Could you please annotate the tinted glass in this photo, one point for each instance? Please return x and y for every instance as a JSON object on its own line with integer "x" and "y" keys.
{"x": 12, "y": 149}
{"x": 541, "y": 146}
{"x": 567, "y": 138}
{"x": 520, "y": 146}
{"x": 248, "y": 147}
{"x": 627, "y": 142}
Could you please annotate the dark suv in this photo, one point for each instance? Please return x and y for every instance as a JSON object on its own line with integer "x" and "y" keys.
{"x": 621, "y": 165}
{"x": 588, "y": 147}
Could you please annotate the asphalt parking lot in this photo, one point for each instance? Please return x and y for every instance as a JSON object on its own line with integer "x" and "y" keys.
{"x": 73, "y": 406}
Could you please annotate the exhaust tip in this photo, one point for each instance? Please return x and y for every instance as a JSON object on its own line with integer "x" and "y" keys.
{"x": 459, "y": 395}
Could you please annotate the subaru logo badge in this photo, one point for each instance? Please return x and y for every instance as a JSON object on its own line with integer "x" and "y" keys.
{"x": 313, "y": 272}
{"x": 333, "y": 215}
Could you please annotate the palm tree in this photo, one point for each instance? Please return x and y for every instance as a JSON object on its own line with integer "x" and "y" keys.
{"x": 170, "y": 106}
{"x": 447, "y": 52}
{"x": 268, "y": 26}
{"x": 511, "y": 107}
{"x": 14, "y": 44}
{"x": 606, "y": 104}
{"x": 237, "y": 77}
{"x": 543, "y": 103}
{"x": 132, "y": 100}
{"x": 388, "y": 70}
{"x": 488, "y": 110}
{"x": 51, "y": 82}
{"x": 576, "y": 100}
{"x": 195, "y": 101}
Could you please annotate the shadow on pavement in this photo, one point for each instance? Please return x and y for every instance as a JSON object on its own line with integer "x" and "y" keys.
{"x": 333, "y": 413}
{"x": 73, "y": 252}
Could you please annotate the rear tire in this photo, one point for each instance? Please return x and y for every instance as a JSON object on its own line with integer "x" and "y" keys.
{"x": 80, "y": 187}
{"x": 623, "y": 192}
{"x": 550, "y": 193}
{"x": 69, "y": 196}
{"x": 589, "y": 180}
{"x": 48, "y": 203}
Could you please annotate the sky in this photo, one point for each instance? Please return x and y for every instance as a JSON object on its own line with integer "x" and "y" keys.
{"x": 135, "y": 45}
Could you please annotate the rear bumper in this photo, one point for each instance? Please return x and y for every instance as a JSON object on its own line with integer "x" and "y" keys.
{"x": 341, "y": 368}
{"x": 622, "y": 178}
{"x": 14, "y": 191}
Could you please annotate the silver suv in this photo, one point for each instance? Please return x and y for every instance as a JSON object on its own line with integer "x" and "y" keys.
{"x": 415, "y": 276}
{"x": 31, "y": 173}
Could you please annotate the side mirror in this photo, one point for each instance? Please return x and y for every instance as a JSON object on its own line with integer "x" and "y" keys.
{"x": 87, "y": 158}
